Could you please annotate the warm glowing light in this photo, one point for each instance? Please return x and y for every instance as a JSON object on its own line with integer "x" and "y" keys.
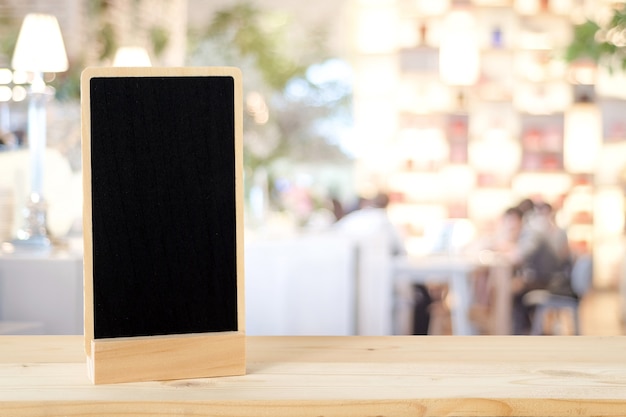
{"x": 408, "y": 35}
{"x": 487, "y": 205}
{"x": 5, "y": 93}
{"x": 535, "y": 39}
{"x": 420, "y": 186}
{"x": 257, "y": 107}
{"x": 131, "y": 56}
{"x": 19, "y": 93}
{"x": 457, "y": 180}
{"x": 459, "y": 56}
{"x": 448, "y": 236}
{"x": 376, "y": 29}
{"x": 583, "y": 72}
{"x": 526, "y": 6}
{"x": 376, "y": 121}
{"x": 423, "y": 145}
{"x": 582, "y": 138}
{"x": 430, "y": 7}
{"x": 610, "y": 83}
{"x": 543, "y": 99}
{"x": 564, "y": 7}
{"x": 609, "y": 211}
{"x": 549, "y": 185}
{"x": 418, "y": 216}
{"x": 423, "y": 97}
{"x": 39, "y": 46}
{"x": 7, "y": 247}
{"x": 376, "y": 76}
{"x": 20, "y": 77}
{"x": 495, "y": 153}
{"x": 6, "y": 76}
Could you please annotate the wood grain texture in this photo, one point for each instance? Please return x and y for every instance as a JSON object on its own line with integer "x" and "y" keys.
{"x": 164, "y": 358}
{"x": 163, "y": 213}
{"x": 340, "y": 376}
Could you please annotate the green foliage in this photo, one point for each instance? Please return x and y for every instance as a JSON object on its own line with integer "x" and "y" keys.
{"x": 159, "y": 37}
{"x": 617, "y": 36}
{"x": 584, "y": 44}
{"x": 261, "y": 37}
{"x": 9, "y": 30}
{"x": 604, "y": 45}
{"x": 67, "y": 84}
{"x": 275, "y": 57}
{"x": 108, "y": 44}
{"x": 7, "y": 44}
{"x": 97, "y": 7}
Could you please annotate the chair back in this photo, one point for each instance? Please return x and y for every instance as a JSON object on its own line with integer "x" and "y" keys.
{"x": 582, "y": 275}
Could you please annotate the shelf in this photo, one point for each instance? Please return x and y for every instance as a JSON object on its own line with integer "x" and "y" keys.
{"x": 522, "y": 89}
{"x": 495, "y": 50}
{"x": 613, "y": 123}
{"x": 420, "y": 59}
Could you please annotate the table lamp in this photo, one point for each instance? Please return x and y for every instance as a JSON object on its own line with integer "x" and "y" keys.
{"x": 39, "y": 50}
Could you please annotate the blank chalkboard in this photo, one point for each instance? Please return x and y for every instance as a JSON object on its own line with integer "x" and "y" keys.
{"x": 163, "y": 205}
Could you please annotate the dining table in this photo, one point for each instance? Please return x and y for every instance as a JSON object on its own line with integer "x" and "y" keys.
{"x": 458, "y": 273}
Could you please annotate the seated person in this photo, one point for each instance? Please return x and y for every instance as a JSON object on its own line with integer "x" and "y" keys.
{"x": 536, "y": 263}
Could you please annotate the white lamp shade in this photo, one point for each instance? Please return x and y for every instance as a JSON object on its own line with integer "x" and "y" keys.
{"x": 131, "y": 56}
{"x": 459, "y": 55}
{"x": 40, "y": 45}
{"x": 582, "y": 138}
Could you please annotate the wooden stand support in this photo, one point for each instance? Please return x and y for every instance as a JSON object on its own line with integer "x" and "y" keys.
{"x": 163, "y": 223}
{"x": 171, "y": 357}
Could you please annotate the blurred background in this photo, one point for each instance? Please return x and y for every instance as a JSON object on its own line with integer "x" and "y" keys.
{"x": 383, "y": 142}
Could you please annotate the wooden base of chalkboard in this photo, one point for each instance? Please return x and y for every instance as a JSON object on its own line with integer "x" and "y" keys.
{"x": 167, "y": 357}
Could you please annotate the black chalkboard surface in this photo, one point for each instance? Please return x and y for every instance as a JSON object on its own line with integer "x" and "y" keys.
{"x": 163, "y": 193}
{"x": 163, "y": 202}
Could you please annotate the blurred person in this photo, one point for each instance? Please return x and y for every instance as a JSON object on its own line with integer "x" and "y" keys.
{"x": 508, "y": 243}
{"x": 556, "y": 236}
{"x": 358, "y": 203}
{"x": 8, "y": 141}
{"x": 337, "y": 208}
{"x": 531, "y": 226}
{"x": 524, "y": 241}
{"x": 545, "y": 250}
{"x": 544, "y": 223}
{"x": 503, "y": 241}
{"x": 370, "y": 221}
{"x": 372, "y": 218}
{"x": 526, "y": 206}
{"x": 508, "y": 234}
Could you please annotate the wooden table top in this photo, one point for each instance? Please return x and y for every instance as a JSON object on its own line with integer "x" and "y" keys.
{"x": 338, "y": 376}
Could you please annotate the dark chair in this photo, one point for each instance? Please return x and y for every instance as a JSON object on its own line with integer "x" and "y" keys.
{"x": 546, "y": 302}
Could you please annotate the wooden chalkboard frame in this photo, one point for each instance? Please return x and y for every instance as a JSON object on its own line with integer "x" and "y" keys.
{"x": 171, "y": 356}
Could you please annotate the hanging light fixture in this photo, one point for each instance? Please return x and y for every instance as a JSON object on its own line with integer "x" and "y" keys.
{"x": 582, "y": 137}
{"x": 459, "y": 56}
